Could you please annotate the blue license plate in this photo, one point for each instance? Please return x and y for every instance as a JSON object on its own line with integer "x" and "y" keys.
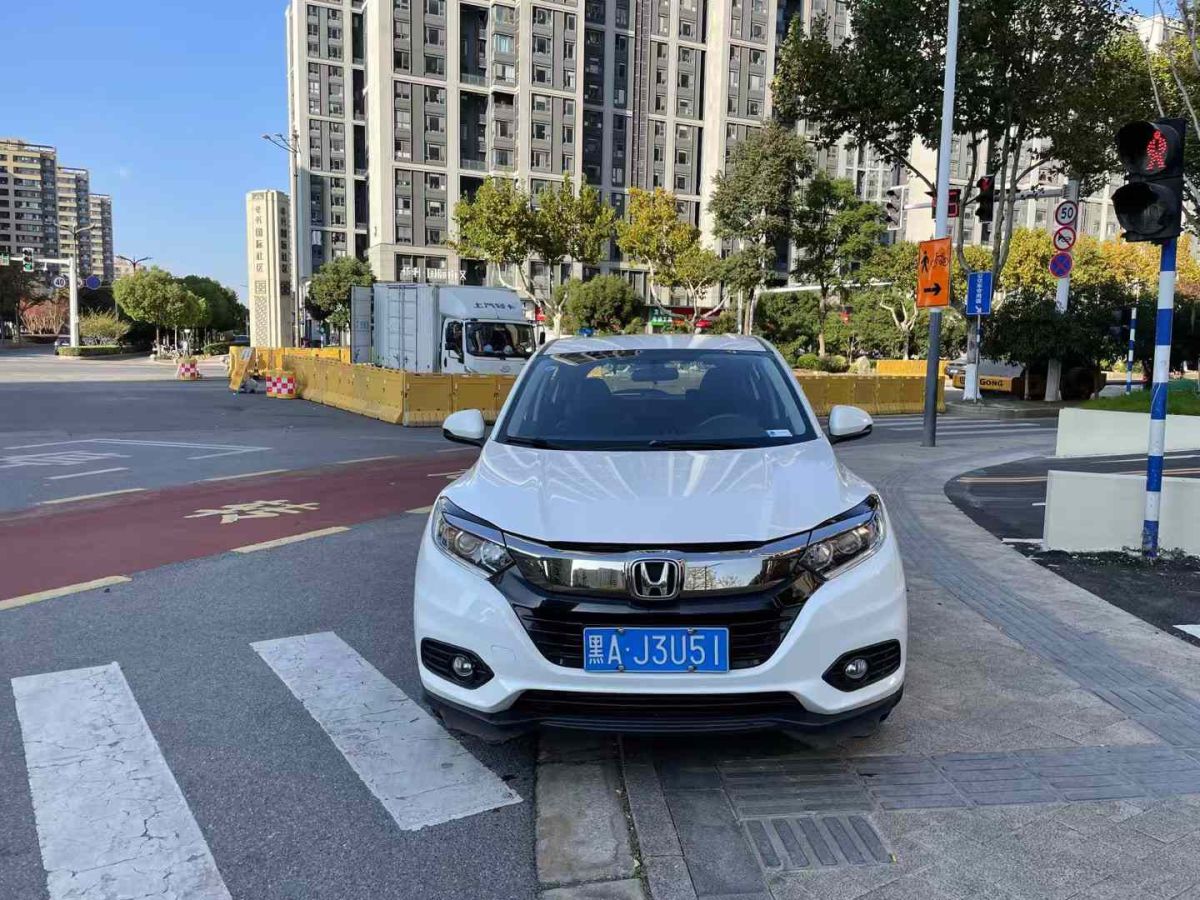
{"x": 656, "y": 649}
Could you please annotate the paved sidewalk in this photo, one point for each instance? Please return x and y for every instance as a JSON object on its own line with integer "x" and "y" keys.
{"x": 1048, "y": 745}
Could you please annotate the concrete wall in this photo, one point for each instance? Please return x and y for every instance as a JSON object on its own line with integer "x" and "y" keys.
{"x": 1091, "y": 511}
{"x": 1097, "y": 432}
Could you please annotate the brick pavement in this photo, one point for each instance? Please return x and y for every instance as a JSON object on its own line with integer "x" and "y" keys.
{"x": 1048, "y": 745}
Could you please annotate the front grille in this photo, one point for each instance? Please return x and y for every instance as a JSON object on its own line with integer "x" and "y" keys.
{"x": 557, "y": 630}
{"x": 564, "y": 704}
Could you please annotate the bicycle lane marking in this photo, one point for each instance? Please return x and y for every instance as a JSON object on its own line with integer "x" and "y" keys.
{"x": 48, "y": 548}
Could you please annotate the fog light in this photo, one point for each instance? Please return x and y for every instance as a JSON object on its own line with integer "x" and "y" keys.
{"x": 855, "y": 669}
{"x": 463, "y": 667}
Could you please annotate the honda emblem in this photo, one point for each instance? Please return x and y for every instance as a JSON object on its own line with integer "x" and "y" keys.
{"x": 655, "y": 579}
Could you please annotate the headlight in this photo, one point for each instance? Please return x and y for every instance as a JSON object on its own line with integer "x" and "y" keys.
{"x": 847, "y": 540}
{"x": 468, "y": 540}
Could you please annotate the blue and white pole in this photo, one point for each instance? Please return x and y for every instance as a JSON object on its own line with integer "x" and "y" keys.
{"x": 1158, "y": 398}
{"x": 1129, "y": 361}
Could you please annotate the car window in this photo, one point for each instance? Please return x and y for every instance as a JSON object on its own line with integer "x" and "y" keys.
{"x": 656, "y": 399}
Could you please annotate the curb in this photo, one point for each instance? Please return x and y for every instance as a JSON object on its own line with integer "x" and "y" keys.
{"x": 964, "y": 410}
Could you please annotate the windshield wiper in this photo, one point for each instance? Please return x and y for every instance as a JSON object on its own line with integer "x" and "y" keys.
{"x": 680, "y": 444}
{"x": 536, "y": 443}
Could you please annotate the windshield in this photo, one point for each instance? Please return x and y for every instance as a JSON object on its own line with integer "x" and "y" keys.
{"x": 656, "y": 400}
{"x": 500, "y": 339}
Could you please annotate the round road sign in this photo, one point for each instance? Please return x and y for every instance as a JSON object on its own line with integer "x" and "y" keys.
{"x": 60, "y": 281}
{"x": 92, "y": 282}
{"x": 1060, "y": 265}
{"x": 1066, "y": 213}
{"x": 1064, "y": 238}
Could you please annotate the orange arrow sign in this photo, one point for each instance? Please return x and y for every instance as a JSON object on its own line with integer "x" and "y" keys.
{"x": 933, "y": 273}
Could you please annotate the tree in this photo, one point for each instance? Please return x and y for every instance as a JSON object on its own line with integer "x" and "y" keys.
{"x": 102, "y": 327}
{"x": 569, "y": 224}
{"x": 329, "y": 290}
{"x": 653, "y": 235}
{"x": 502, "y": 226}
{"x": 834, "y": 233}
{"x": 1031, "y": 95}
{"x": 896, "y": 266}
{"x": 696, "y": 271}
{"x": 754, "y": 202}
{"x": 145, "y": 295}
{"x": 225, "y": 311}
{"x": 498, "y": 225}
{"x": 46, "y": 315}
{"x": 607, "y": 303}
{"x": 16, "y": 288}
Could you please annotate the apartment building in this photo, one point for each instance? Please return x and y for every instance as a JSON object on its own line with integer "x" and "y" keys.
{"x": 52, "y": 209}
{"x": 28, "y": 197}
{"x": 615, "y": 93}
{"x": 74, "y": 217}
{"x": 103, "y": 262}
{"x": 268, "y": 260}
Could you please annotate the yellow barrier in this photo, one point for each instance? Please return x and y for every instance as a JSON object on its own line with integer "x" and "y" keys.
{"x": 907, "y": 367}
{"x": 877, "y": 394}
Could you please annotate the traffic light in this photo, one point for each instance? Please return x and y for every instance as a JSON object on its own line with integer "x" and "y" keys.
{"x": 1149, "y": 205}
{"x": 987, "y": 198}
{"x": 955, "y": 197}
{"x": 27, "y": 259}
{"x": 1119, "y": 323}
{"x": 893, "y": 206}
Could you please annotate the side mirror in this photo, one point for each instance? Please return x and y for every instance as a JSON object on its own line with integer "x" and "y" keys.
{"x": 465, "y": 427}
{"x": 848, "y": 423}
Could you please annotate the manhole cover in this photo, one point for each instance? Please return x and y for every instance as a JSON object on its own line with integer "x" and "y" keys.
{"x": 785, "y": 843}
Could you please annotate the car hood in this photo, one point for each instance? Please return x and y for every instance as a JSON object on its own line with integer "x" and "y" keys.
{"x": 656, "y": 498}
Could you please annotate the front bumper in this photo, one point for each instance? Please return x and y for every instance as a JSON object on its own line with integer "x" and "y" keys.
{"x": 861, "y": 607}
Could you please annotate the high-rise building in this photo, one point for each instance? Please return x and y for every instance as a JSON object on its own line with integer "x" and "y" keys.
{"x": 103, "y": 262}
{"x": 74, "y": 217}
{"x": 28, "y": 197}
{"x": 52, "y": 209}
{"x": 615, "y": 93}
{"x": 268, "y": 258}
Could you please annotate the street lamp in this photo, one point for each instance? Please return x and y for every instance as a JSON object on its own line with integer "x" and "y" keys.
{"x": 291, "y": 146}
{"x": 134, "y": 263}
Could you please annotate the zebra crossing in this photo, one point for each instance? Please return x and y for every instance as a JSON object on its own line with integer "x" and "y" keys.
{"x": 911, "y": 427}
{"x": 112, "y": 822}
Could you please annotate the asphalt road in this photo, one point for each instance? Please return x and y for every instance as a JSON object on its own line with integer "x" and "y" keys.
{"x": 957, "y": 430}
{"x": 1010, "y": 500}
{"x": 69, "y": 429}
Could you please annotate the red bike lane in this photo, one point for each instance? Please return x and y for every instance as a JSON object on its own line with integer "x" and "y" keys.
{"x": 46, "y": 548}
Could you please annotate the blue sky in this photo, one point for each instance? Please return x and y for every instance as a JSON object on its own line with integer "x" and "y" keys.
{"x": 165, "y": 103}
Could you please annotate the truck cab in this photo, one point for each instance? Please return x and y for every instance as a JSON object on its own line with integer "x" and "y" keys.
{"x": 450, "y": 329}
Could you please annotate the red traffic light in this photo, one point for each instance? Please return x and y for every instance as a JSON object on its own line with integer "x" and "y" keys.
{"x": 1151, "y": 148}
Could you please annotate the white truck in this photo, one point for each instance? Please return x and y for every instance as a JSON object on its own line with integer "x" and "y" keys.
{"x": 443, "y": 328}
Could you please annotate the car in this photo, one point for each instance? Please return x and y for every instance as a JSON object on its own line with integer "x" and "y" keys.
{"x": 657, "y": 537}
{"x": 956, "y": 367}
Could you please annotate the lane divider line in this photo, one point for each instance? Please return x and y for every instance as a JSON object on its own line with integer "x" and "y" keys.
{"x": 244, "y": 475}
{"x": 290, "y": 539}
{"x": 52, "y": 593}
{"x": 91, "y": 496}
{"x": 346, "y": 462}
{"x": 420, "y": 510}
{"x": 82, "y": 474}
{"x": 1193, "y": 630}
{"x": 1021, "y": 540}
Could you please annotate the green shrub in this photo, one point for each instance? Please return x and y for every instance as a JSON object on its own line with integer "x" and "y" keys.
{"x": 606, "y": 303}
{"x": 102, "y": 328}
{"x": 835, "y": 364}
{"x": 808, "y": 361}
{"x": 93, "y": 350}
{"x": 216, "y": 348}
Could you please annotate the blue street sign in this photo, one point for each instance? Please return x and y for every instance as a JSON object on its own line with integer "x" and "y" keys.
{"x": 1061, "y": 265}
{"x": 979, "y": 294}
{"x": 92, "y": 282}
{"x": 586, "y": 332}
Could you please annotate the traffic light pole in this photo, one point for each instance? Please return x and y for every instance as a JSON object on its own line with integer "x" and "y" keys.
{"x": 941, "y": 224}
{"x": 1158, "y": 398}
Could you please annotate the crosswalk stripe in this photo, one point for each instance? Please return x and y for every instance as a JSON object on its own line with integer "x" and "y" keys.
{"x": 416, "y": 769}
{"x": 964, "y": 426}
{"x": 111, "y": 819}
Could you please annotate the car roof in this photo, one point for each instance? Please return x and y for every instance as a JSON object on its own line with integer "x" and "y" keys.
{"x": 654, "y": 342}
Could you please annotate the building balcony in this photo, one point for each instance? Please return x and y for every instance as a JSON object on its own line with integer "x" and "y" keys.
{"x": 474, "y": 165}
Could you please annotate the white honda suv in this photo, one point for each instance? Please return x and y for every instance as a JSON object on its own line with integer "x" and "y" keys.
{"x": 657, "y": 537}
